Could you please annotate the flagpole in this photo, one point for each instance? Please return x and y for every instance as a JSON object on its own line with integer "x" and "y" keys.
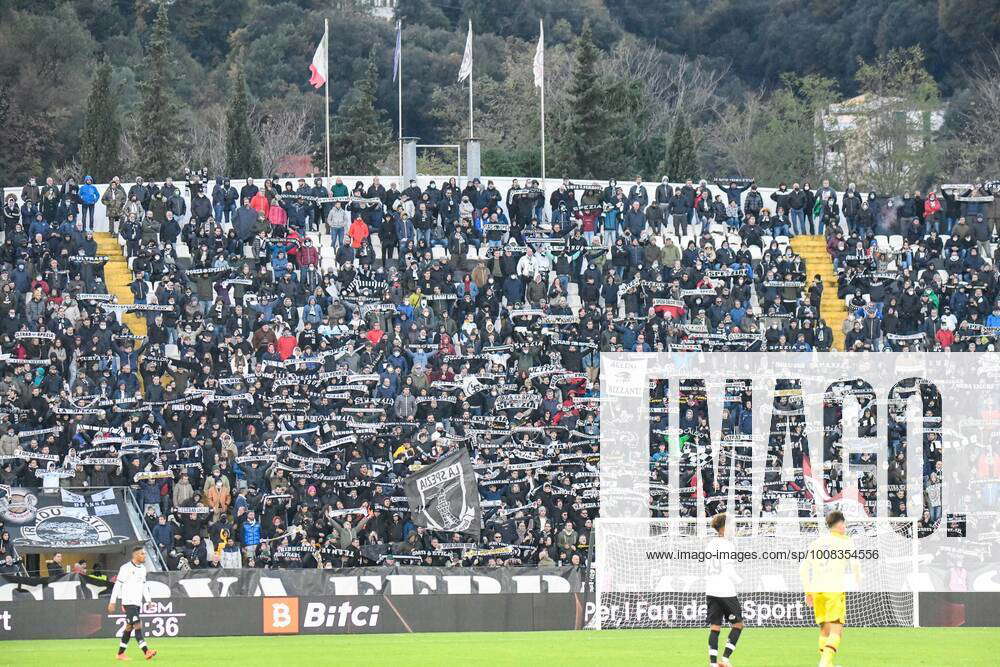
{"x": 399, "y": 30}
{"x": 471, "y": 134}
{"x": 541, "y": 36}
{"x": 326, "y": 91}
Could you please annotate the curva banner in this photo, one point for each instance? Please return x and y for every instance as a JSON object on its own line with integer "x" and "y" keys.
{"x": 95, "y": 522}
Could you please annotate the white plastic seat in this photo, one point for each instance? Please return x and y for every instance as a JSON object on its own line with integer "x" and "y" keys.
{"x": 755, "y": 252}
{"x": 882, "y": 241}
{"x": 895, "y": 242}
{"x": 438, "y": 252}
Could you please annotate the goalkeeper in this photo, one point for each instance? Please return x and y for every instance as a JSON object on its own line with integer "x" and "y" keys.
{"x": 825, "y": 578}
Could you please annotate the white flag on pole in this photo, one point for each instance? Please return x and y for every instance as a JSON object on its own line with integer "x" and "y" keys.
{"x": 465, "y": 71}
{"x": 539, "y": 67}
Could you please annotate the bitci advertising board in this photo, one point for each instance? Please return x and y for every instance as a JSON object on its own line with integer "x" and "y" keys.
{"x": 293, "y": 615}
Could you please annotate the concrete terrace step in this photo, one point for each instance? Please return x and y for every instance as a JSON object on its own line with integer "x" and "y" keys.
{"x": 118, "y": 277}
{"x": 812, "y": 249}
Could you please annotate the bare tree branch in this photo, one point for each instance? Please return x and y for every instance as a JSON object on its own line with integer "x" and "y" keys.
{"x": 280, "y": 134}
{"x": 673, "y": 86}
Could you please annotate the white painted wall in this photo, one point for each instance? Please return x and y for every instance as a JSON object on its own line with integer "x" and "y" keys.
{"x": 502, "y": 184}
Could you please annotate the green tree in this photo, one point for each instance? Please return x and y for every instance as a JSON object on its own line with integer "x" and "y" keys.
{"x": 102, "y": 129}
{"x": 974, "y": 25}
{"x": 242, "y": 155}
{"x": 894, "y": 134}
{"x": 586, "y": 135}
{"x": 159, "y": 131}
{"x": 359, "y": 138}
{"x": 774, "y": 137}
{"x": 682, "y": 163}
{"x": 41, "y": 78}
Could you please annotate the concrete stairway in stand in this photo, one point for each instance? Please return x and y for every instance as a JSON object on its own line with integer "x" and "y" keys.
{"x": 118, "y": 276}
{"x": 813, "y": 251}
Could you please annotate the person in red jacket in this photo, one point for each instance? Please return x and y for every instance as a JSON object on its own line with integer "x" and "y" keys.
{"x": 287, "y": 344}
{"x": 946, "y": 337}
{"x": 276, "y": 215}
{"x": 307, "y": 256}
{"x": 932, "y": 211}
{"x": 357, "y": 232}
{"x": 375, "y": 334}
{"x": 260, "y": 203}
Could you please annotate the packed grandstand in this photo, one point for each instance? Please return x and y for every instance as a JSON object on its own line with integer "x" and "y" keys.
{"x": 265, "y": 363}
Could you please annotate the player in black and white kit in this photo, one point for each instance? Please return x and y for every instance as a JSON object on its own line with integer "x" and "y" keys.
{"x": 720, "y": 593}
{"x": 130, "y": 588}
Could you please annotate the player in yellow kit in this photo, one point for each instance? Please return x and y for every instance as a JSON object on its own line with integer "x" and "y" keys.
{"x": 827, "y": 572}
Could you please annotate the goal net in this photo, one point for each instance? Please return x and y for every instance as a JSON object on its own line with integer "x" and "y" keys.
{"x": 652, "y": 573}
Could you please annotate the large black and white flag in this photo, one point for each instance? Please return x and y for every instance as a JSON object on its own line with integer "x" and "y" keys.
{"x": 444, "y": 496}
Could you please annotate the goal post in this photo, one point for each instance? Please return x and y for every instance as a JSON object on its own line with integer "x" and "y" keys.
{"x": 651, "y": 573}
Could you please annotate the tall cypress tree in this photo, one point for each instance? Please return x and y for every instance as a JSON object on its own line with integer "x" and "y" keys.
{"x": 360, "y": 135}
{"x": 159, "y": 128}
{"x": 681, "y": 161}
{"x": 102, "y": 129}
{"x": 242, "y": 156}
{"x": 586, "y": 132}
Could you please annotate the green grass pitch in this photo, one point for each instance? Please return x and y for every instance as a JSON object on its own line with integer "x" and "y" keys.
{"x": 758, "y": 647}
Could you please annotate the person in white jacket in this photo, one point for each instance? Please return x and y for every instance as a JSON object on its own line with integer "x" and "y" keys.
{"x": 338, "y": 220}
{"x": 130, "y": 589}
{"x": 231, "y": 558}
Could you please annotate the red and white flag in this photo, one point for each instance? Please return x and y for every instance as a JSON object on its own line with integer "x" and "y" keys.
{"x": 319, "y": 65}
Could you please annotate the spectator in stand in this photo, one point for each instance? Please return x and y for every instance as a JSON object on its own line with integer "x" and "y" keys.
{"x": 274, "y": 342}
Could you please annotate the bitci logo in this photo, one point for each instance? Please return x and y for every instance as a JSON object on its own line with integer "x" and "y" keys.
{"x": 281, "y": 616}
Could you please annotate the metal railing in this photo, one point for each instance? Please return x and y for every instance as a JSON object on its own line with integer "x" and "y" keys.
{"x": 143, "y": 532}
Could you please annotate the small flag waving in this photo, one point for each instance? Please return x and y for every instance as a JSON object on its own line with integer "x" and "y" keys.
{"x": 399, "y": 49}
{"x": 466, "y": 70}
{"x": 539, "y": 67}
{"x": 318, "y": 66}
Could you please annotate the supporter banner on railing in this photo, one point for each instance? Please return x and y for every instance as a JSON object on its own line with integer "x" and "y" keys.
{"x": 395, "y": 581}
{"x": 66, "y": 520}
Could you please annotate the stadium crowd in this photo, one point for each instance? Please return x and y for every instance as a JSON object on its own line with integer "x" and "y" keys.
{"x": 307, "y": 346}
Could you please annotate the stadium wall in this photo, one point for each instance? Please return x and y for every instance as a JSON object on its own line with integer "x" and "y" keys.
{"x": 373, "y": 614}
{"x": 370, "y": 600}
{"x": 290, "y": 615}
